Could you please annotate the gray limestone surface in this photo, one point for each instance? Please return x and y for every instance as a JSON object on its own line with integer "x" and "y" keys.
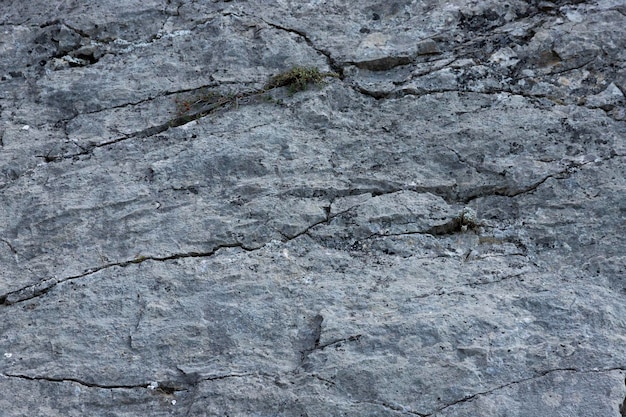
{"x": 436, "y": 228}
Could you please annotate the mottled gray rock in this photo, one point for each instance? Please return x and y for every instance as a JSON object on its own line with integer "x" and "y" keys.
{"x": 436, "y": 229}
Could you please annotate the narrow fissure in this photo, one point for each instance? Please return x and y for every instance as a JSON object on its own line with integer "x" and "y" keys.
{"x": 42, "y": 287}
{"x": 75, "y": 380}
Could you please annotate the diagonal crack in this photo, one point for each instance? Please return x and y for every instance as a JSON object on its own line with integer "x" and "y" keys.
{"x": 44, "y": 286}
{"x": 353, "y": 338}
{"x": 332, "y": 63}
{"x": 11, "y": 247}
{"x": 396, "y": 407}
{"x": 507, "y": 191}
{"x": 329, "y": 217}
{"x": 540, "y": 374}
{"x": 311, "y": 339}
{"x": 203, "y": 106}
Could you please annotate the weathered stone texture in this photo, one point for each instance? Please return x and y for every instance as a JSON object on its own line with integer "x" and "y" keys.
{"x": 435, "y": 230}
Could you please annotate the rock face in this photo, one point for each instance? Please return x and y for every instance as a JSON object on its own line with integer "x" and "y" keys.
{"x": 436, "y": 229}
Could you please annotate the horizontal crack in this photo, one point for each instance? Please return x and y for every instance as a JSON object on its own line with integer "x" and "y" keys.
{"x": 375, "y": 192}
{"x": 76, "y": 380}
{"x": 402, "y": 91}
{"x": 375, "y": 188}
{"x": 193, "y": 378}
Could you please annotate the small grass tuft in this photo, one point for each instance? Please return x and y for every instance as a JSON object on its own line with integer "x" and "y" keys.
{"x": 298, "y": 79}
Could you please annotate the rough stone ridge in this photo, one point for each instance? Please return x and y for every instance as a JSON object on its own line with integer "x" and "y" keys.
{"x": 435, "y": 228}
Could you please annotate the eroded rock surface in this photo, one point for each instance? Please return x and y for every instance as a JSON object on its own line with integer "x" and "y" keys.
{"x": 435, "y": 230}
